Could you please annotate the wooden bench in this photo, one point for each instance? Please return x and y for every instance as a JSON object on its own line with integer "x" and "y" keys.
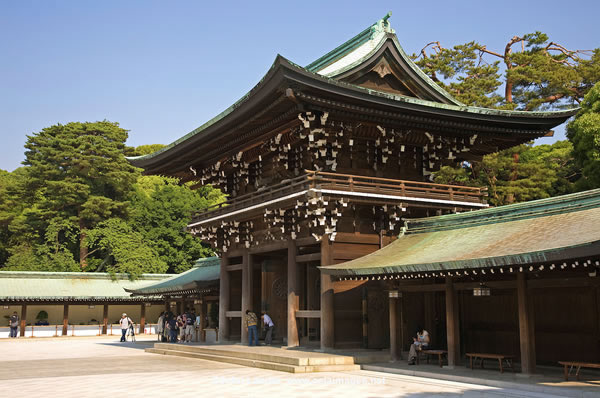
{"x": 439, "y": 353}
{"x": 569, "y": 365}
{"x": 499, "y": 357}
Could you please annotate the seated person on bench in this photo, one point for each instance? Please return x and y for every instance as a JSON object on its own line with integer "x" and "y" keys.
{"x": 419, "y": 343}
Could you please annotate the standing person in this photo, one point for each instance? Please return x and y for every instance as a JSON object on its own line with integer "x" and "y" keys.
{"x": 160, "y": 324}
{"x": 251, "y": 325}
{"x": 172, "y": 327}
{"x": 419, "y": 343}
{"x": 268, "y": 325}
{"x": 125, "y": 321}
{"x": 14, "y": 324}
{"x": 189, "y": 327}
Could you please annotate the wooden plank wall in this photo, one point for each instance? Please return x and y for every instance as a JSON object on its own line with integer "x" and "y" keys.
{"x": 566, "y": 325}
{"x": 348, "y": 294}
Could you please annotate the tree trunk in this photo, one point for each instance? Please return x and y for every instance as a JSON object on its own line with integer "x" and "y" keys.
{"x": 83, "y": 249}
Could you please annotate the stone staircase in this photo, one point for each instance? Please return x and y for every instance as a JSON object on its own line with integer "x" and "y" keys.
{"x": 273, "y": 358}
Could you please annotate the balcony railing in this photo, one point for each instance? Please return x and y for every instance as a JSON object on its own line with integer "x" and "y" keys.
{"x": 351, "y": 185}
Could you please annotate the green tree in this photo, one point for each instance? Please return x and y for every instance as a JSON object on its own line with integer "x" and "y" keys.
{"x": 584, "y": 133}
{"x": 518, "y": 174}
{"x": 78, "y": 174}
{"x": 123, "y": 249}
{"x": 541, "y": 74}
{"x": 161, "y": 209}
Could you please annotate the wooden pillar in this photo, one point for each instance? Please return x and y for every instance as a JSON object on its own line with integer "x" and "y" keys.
{"x": 167, "y": 304}
{"x": 223, "y": 299}
{"x": 327, "y": 307}
{"x": 293, "y": 300}
{"x": 65, "y": 319}
{"x": 142, "y": 318}
{"x": 202, "y": 315}
{"x": 393, "y": 328}
{"x": 23, "y": 320}
{"x": 246, "y": 293}
{"x": 525, "y": 327}
{"x": 365, "y": 318}
{"x": 452, "y": 324}
{"x": 105, "y": 319}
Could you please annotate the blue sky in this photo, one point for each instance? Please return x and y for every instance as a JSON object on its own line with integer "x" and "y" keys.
{"x": 161, "y": 68}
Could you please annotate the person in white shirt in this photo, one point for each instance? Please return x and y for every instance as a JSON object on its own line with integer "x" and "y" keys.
{"x": 125, "y": 322}
{"x": 268, "y": 325}
{"x": 421, "y": 342}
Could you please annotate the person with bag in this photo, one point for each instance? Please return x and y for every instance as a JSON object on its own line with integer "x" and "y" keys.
{"x": 125, "y": 322}
{"x": 14, "y": 324}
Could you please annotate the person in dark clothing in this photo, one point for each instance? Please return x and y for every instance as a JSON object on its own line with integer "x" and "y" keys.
{"x": 173, "y": 329}
{"x": 14, "y": 324}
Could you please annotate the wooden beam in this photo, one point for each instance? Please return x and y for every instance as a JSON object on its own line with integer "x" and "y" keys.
{"x": 65, "y": 319}
{"x": 142, "y": 318}
{"x": 246, "y": 292}
{"x": 308, "y": 241}
{"x": 292, "y": 295}
{"x": 525, "y": 325}
{"x": 306, "y": 258}
{"x": 105, "y": 319}
{"x": 269, "y": 247}
{"x": 23, "y": 320}
{"x": 327, "y": 306}
{"x": 223, "y": 299}
{"x": 233, "y": 314}
{"x": 393, "y": 329}
{"x": 308, "y": 314}
{"x": 451, "y": 323}
{"x": 235, "y": 267}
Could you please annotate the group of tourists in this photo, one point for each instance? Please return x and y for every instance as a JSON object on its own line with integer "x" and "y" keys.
{"x": 252, "y": 326}
{"x": 176, "y": 328}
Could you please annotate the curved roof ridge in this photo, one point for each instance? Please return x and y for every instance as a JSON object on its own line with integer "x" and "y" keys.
{"x": 349, "y": 46}
{"x": 536, "y": 208}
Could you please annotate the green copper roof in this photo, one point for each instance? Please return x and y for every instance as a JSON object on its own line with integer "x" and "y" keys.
{"x": 341, "y": 51}
{"x": 284, "y": 73}
{"x": 363, "y": 46}
{"x": 69, "y": 286}
{"x": 205, "y": 273}
{"x": 546, "y": 230}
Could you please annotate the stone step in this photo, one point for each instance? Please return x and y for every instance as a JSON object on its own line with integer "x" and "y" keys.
{"x": 282, "y": 367}
{"x": 293, "y": 358}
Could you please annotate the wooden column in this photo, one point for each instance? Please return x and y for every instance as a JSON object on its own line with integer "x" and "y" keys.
{"x": 23, "y": 320}
{"x": 452, "y": 324}
{"x": 246, "y": 293}
{"x": 525, "y": 327}
{"x": 167, "y": 304}
{"x": 105, "y": 319}
{"x": 393, "y": 329}
{"x": 365, "y": 318}
{"x": 142, "y": 318}
{"x": 65, "y": 319}
{"x": 293, "y": 303}
{"x": 327, "y": 308}
{"x": 223, "y": 299}
{"x": 202, "y": 315}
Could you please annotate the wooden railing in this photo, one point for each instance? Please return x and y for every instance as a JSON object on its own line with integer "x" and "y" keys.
{"x": 346, "y": 183}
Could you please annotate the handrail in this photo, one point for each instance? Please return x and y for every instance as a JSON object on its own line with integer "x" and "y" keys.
{"x": 346, "y": 182}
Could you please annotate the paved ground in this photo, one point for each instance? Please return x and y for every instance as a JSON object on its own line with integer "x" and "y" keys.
{"x": 95, "y": 367}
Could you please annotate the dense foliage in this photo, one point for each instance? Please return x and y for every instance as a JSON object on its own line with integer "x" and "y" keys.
{"x": 584, "y": 133}
{"x": 79, "y": 205}
{"x": 541, "y": 75}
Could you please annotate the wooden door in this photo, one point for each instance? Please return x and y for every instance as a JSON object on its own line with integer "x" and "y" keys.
{"x": 274, "y": 295}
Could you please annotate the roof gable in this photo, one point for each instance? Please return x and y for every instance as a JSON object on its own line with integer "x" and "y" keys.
{"x": 374, "y": 59}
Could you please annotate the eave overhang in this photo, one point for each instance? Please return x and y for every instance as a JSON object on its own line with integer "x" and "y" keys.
{"x": 548, "y": 231}
{"x": 288, "y": 89}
